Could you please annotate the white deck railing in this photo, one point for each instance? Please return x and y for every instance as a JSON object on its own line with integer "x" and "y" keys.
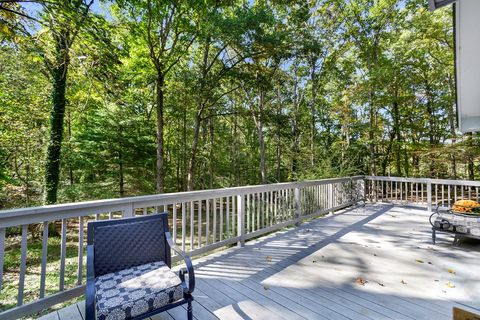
{"x": 200, "y": 221}
{"x": 423, "y": 192}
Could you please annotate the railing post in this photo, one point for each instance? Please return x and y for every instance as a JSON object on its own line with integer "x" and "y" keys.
{"x": 2, "y": 254}
{"x": 429, "y": 195}
{"x": 297, "y": 205}
{"x": 364, "y": 186}
{"x": 331, "y": 196}
{"x": 128, "y": 212}
{"x": 241, "y": 220}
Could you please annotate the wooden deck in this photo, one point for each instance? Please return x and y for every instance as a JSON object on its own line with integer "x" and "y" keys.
{"x": 316, "y": 271}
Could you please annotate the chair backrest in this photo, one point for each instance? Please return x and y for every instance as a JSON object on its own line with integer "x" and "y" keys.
{"x": 124, "y": 243}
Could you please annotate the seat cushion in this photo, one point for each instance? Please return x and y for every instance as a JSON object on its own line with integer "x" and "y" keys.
{"x": 131, "y": 292}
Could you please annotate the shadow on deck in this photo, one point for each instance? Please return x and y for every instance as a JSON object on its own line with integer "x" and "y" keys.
{"x": 372, "y": 262}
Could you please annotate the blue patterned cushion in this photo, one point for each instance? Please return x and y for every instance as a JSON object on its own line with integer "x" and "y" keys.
{"x": 131, "y": 292}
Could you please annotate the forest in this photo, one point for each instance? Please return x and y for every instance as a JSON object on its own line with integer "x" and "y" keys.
{"x": 129, "y": 97}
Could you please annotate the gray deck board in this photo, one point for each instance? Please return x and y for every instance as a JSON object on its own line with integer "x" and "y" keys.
{"x": 81, "y": 308}
{"x": 71, "y": 312}
{"x": 269, "y": 306}
{"x": 310, "y": 272}
{"x": 50, "y": 316}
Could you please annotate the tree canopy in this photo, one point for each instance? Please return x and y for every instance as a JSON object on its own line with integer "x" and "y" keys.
{"x": 130, "y": 97}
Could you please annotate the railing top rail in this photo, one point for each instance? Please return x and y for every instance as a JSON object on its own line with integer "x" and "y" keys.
{"x": 402, "y": 179}
{"x": 49, "y": 212}
{"x": 426, "y": 180}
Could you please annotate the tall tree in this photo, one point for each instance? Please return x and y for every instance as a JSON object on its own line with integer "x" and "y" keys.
{"x": 62, "y": 20}
{"x": 167, "y": 31}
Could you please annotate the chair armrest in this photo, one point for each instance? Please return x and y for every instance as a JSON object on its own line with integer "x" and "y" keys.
{"x": 444, "y": 204}
{"x": 188, "y": 262}
{"x": 90, "y": 295}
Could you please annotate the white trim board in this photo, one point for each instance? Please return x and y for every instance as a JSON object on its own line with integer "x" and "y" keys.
{"x": 468, "y": 64}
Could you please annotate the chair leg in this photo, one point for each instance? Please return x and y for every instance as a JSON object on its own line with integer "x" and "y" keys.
{"x": 189, "y": 311}
{"x": 455, "y": 240}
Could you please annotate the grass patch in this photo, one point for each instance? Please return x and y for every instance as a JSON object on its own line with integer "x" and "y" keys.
{"x": 9, "y": 292}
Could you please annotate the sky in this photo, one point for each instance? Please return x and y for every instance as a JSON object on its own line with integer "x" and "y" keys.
{"x": 33, "y": 8}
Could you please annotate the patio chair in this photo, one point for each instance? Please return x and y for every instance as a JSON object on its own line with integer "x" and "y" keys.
{"x": 128, "y": 269}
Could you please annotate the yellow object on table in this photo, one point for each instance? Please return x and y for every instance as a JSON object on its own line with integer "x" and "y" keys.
{"x": 467, "y": 206}
{"x": 460, "y": 314}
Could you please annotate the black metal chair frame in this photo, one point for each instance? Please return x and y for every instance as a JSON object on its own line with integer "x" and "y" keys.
{"x": 170, "y": 245}
{"x": 445, "y": 206}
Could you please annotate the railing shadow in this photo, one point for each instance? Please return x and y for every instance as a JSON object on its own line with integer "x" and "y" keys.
{"x": 263, "y": 261}
{"x": 297, "y": 247}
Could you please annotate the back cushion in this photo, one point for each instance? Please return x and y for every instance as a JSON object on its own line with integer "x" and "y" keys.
{"x": 129, "y": 244}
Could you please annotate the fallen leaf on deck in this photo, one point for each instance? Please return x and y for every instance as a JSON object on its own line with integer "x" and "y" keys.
{"x": 451, "y": 271}
{"x": 450, "y": 285}
{"x": 361, "y": 281}
{"x": 266, "y": 286}
{"x": 403, "y": 282}
{"x": 268, "y": 259}
{"x": 419, "y": 261}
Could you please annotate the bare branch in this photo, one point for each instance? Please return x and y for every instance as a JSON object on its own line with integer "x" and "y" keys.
{"x": 19, "y": 13}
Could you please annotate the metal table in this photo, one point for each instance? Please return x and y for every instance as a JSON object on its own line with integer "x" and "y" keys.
{"x": 459, "y": 224}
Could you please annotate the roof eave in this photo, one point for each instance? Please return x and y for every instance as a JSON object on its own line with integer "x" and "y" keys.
{"x": 436, "y": 4}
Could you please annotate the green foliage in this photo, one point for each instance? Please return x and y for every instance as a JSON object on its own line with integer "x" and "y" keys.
{"x": 252, "y": 92}
{"x": 23, "y": 123}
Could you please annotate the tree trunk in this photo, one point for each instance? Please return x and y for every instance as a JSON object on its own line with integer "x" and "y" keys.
{"x": 431, "y": 132}
{"x": 121, "y": 177}
{"x": 313, "y": 78}
{"x": 27, "y": 183}
{"x": 184, "y": 149}
{"x": 296, "y": 138}
{"x": 471, "y": 171}
{"x": 57, "y": 115}
{"x": 235, "y": 151}
{"x": 406, "y": 162}
{"x": 70, "y": 168}
{"x": 387, "y": 154}
{"x": 193, "y": 152}
{"x": 198, "y": 117}
{"x": 470, "y": 157}
{"x": 416, "y": 164}
{"x": 212, "y": 153}
{"x": 296, "y": 148}
{"x": 231, "y": 172}
{"x": 371, "y": 133}
{"x": 160, "y": 175}
{"x": 261, "y": 139}
{"x": 398, "y": 137}
{"x": 177, "y": 171}
{"x": 278, "y": 158}
{"x": 452, "y": 123}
